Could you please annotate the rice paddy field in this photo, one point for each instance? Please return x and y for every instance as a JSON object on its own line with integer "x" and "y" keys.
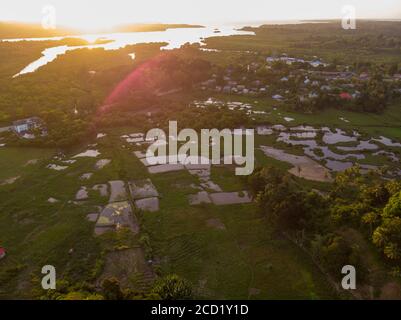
{"x": 99, "y": 209}
{"x": 224, "y": 251}
{"x": 50, "y": 202}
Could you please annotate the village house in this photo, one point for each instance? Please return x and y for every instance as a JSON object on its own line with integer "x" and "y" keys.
{"x": 226, "y": 89}
{"x": 356, "y": 94}
{"x": 277, "y": 97}
{"x": 308, "y": 80}
{"x": 317, "y": 63}
{"x": 313, "y": 95}
{"x": 325, "y": 88}
{"x": 26, "y": 125}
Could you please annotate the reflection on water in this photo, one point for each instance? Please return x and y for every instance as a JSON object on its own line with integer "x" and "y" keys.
{"x": 320, "y": 150}
{"x": 336, "y": 137}
{"x": 338, "y": 165}
{"x": 174, "y": 38}
{"x": 363, "y": 145}
{"x": 388, "y": 142}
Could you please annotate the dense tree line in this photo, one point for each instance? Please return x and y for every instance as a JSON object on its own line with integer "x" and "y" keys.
{"x": 364, "y": 203}
{"x": 170, "y": 287}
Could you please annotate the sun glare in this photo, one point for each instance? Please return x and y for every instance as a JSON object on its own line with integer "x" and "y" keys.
{"x": 97, "y": 15}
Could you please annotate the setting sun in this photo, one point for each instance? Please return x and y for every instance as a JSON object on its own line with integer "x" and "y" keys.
{"x": 100, "y": 14}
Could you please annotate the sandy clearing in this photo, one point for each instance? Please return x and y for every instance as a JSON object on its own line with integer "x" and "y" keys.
{"x": 338, "y": 166}
{"x": 304, "y": 167}
{"x": 88, "y": 153}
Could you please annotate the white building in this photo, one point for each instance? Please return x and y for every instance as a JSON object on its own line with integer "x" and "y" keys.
{"x": 23, "y": 126}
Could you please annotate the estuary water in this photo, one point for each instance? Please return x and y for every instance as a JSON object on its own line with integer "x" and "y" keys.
{"x": 174, "y": 38}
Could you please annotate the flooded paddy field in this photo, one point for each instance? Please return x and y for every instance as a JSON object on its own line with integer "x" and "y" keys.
{"x": 185, "y": 212}
{"x": 333, "y": 149}
{"x": 344, "y": 139}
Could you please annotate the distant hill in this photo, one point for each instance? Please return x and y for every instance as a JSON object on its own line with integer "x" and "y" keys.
{"x": 11, "y": 30}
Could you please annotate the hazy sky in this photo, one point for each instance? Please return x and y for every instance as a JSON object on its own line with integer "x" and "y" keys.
{"x": 104, "y": 13}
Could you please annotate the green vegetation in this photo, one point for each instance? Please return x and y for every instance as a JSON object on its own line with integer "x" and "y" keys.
{"x": 321, "y": 225}
{"x": 17, "y": 161}
{"x": 372, "y": 42}
{"x": 173, "y": 288}
{"x": 309, "y": 229}
{"x": 243, "y": 260}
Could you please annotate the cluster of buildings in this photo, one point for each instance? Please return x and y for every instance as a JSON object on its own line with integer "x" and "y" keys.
{"x": 236, "y": 87}
{"x": 306, "y": 79}
{"x": 289, "y": 61}
{"x": 27, "y": 128}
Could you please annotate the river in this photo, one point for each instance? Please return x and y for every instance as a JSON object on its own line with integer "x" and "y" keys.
{"x": 174, "y": 37}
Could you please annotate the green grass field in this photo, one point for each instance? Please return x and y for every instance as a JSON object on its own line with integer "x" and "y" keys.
{"x": 14, "y": 161}
{"x": 243, "y": 260}
{"x": 226, "y": 252}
